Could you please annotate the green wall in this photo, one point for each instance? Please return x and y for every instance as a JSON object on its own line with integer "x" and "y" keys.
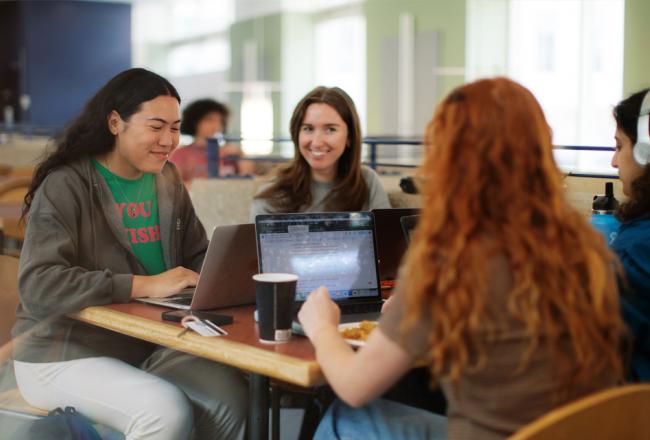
{"x": 447, "y": 17}
{"x": 297, "y": 65}
{"x": 636, "y": 73}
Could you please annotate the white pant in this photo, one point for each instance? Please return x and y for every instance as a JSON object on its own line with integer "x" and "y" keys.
{"x": 139, "y": 403}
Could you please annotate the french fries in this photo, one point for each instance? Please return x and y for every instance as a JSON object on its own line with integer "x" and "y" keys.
{"x": 360, "y": 332}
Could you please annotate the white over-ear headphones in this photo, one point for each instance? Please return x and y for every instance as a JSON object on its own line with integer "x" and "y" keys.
{"x": 641, "y": 150}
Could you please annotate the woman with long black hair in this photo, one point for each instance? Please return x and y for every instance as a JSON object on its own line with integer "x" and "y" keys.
{"x": 108, "y": 220}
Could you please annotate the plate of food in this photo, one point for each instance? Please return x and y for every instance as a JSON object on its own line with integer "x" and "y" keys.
{"x": 356, "y": 333}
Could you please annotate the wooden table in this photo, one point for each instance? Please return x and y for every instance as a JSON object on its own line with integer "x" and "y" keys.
{"x": 293, "y": 362}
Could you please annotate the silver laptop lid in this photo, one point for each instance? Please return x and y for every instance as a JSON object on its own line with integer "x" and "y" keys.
{"x": 226, "y": 275}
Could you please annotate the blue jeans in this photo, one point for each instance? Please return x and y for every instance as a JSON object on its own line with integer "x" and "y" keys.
{"x": 380, "y": 420}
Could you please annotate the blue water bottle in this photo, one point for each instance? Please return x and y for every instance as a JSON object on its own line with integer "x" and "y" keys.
{"x": 602, "y": 213}
{"x": 213, "y": 157}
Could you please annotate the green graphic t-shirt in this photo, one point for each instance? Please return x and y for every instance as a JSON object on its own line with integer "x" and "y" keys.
{"x": 137, "y": 204}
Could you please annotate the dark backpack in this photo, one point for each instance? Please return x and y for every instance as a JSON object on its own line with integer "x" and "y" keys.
{"x": 61, "y": 424}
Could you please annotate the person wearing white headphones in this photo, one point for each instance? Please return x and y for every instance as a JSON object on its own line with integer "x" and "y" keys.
{"x": 632, "y": 244}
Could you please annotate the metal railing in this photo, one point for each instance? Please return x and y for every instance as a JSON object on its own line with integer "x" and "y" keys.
{"x": 372, "y": 143}
{"x": 29, "y": 130}
{"x": 587, "y": 148}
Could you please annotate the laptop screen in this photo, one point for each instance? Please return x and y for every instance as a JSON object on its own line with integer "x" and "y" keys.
{"x": 335, "y": 250}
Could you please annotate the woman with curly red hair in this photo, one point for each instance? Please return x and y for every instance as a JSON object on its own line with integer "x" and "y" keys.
{"x": 506, "y": 293}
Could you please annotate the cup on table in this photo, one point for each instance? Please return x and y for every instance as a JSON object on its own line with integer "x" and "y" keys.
{"x": 275, "y": 294}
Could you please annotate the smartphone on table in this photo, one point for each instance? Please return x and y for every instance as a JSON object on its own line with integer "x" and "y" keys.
{"x": 215, "y": 318}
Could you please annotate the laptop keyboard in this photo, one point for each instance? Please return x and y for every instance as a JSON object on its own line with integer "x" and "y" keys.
{"x": 183, "y": 299}
{"x": 349, "y": 309}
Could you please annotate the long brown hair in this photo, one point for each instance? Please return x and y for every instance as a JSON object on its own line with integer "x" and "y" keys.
{"x": 490, "y": 177}
{"x": 291, "y": 189}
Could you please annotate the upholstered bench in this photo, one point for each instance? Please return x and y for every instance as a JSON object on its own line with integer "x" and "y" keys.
{"x": 228, "y": 201}
{"x": 220, "y": 202}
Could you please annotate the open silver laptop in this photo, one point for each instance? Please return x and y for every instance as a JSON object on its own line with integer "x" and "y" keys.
{"x": 332, "y": 249}
{"x": 226, "y": 275}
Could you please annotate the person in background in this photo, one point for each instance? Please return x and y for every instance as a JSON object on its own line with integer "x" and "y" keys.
{"x": 632, "y": 245}
{"x": 203, "y": 119}
{"x": 506, "y": 292}
{"x": 326, "y": 172}
{"x": 109, "y": 220}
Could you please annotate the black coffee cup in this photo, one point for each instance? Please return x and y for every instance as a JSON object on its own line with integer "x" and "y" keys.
{"x": 275, "y": 294}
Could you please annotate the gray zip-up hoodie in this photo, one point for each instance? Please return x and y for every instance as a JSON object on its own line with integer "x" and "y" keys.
{"x": 76, "y": 254}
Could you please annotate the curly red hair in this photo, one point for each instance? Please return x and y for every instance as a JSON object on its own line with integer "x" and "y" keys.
{"x": 491, "y": 186}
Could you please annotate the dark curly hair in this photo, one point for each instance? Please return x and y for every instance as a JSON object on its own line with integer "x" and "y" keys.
{"x": 197, "y": 110}
{"x": 626, "y": 114}
{"x": 88, "y": 135}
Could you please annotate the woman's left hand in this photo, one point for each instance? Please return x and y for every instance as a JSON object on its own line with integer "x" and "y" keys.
{"x": 319, "y": 311}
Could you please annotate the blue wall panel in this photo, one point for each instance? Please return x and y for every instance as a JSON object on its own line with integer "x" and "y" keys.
{"x": 9, "y": 56}
{"x": 72, "y": 49}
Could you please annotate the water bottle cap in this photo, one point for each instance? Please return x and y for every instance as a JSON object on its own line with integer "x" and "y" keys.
{"x": 607, "y": 201}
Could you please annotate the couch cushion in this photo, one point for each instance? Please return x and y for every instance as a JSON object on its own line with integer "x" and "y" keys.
{"x": 228, "y": 201}
{"x": 219, "y": 202}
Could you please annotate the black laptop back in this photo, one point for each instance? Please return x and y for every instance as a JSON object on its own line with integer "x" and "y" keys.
{"x": 391, "y": 241}
{"x": 409, "y": 222}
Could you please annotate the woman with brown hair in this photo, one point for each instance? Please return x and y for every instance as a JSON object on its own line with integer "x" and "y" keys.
{"x": 326, "y": 172}
{"x": 506, "y": 293}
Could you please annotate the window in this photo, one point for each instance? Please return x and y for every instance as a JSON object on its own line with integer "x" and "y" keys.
{"x": 211, "y": 54}
{"x": 182, "y": 37}
{"x": 569, "y": 53}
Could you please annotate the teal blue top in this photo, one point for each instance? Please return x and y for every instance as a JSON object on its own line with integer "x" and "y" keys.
{"x": 632, "y": 245}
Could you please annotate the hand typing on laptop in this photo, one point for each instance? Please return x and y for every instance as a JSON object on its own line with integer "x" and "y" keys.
{"x": 164, "y": 284}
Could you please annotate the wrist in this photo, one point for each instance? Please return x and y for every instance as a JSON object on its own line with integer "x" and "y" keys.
{"x": 323, "y": 332}
{"x": 137, "y": 286}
